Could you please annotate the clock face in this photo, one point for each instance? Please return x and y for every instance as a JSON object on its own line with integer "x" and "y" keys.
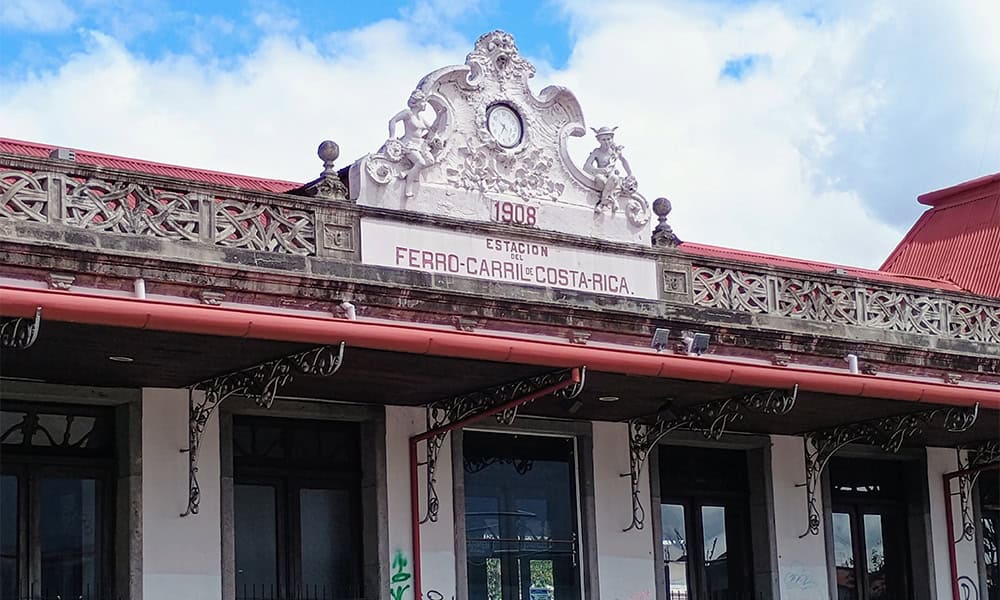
{"x": 505, "y": 125}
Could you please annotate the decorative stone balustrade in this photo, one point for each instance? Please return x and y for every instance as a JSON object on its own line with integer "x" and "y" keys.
{"x": 863, "y": 304}
{"x": 112, "y": 202}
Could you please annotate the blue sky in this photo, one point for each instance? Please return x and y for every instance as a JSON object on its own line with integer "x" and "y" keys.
{"x": 795, "y": 127}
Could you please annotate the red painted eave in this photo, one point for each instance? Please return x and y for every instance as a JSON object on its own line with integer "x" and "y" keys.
{"x": 246, "y": 182}
{"x": 222, "y": 321}
{"x": 958, "y": 191}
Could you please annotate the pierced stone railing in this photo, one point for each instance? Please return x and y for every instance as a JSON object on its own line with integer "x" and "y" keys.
{"x": 864, "y": 304}
{"x": 139, "y": 208}
{"x": 107, "y": 201}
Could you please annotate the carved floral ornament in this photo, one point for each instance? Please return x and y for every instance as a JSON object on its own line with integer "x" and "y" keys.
{"x": 480, "y": 129}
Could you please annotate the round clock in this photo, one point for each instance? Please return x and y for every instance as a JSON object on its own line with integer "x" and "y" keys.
{"x": 504, "y": 124}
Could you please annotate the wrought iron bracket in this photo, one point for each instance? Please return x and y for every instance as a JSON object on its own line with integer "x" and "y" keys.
{"x": 888, "y": 433}
{"x": 442, "y": 413}
{"x": 979, "y": 455}
{"x": 20, "y": 333}
{"x": 711, "y": 418}
{"x": 261, "y": 384}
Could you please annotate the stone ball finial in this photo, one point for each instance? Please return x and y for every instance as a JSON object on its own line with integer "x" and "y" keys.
{"x": 662, "y": 207}
{"x": 328, "y": 151}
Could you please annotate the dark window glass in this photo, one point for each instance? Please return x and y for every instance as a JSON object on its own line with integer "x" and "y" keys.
{"x": 69, "y": 525}
{"x": 869, "y": 527}
{"x": 56, "y": 522}
{"x": 843, "y": 556}
{"x": 255, "y": 517}
{"x": 706, "y": 532}
{"x": 520, "y": 510}
{"x": 297, "y": 509}
{"x": 675, "y": 554}
{"x": 8, "y": 536}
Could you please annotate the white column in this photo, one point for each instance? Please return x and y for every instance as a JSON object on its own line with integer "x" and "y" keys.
{"x": 437, "y": 540}
{"x": 181, "y": 557}
{"x": 939, "y": 462}
{"x": 625, "y": 559}
{"x": 802, "y": 568}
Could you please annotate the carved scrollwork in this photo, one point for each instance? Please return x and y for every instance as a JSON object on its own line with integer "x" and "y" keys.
{"x": 257, "y": 226}
{"x": 888, "y": 433}
{"x": 822, "y": 301}
{"x": 711, "y": 418}
{"x": 481, "y": 169}
{"x": 23, "y": 196}
{"x": 730, "y": 289}
{"x": 261, "y": 384}
{"x": 124, "y": 207}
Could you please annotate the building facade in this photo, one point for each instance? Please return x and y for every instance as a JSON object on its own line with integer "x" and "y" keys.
{"x": 467, "y": 367}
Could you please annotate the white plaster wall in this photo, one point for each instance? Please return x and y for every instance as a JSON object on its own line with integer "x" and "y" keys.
{"x": 181, "y": 557}
{"x": 939, "y": 462}
{"x": 625, "y": 559}
{"x": 437, "y": 539}
{"x": 802, "y": 568}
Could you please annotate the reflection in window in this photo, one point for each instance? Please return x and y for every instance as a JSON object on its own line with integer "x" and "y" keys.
{"x": 843, "y": 554}
{"x": 713, "y": 525}
{"x": 876, "y": 557}
{"x": 675, "y": 548}
{"x": 327, "y": 556}
{"x": 68, "y": 528}
{"x": 520, "y": 511}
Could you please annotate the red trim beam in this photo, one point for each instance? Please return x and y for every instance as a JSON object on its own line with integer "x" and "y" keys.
{"x": 156, "y": 315}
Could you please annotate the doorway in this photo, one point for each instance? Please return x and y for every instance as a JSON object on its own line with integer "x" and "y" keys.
{"x": 704, "y": 512}
{"x": 870, "y": 537}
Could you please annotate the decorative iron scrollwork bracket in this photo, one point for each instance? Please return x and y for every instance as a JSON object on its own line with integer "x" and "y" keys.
{"x": 20, "y": 333}
{"x": 979, "y": 455}
{"x": 442, "y": 413}
{"x": 888, "y": 433}
{"x": 261, "y": 384}
{"x": 711, "y": 418}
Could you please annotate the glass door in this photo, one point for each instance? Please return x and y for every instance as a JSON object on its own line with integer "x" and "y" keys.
{"x": 869, "y": 553}
{"x": 704, "y": 549}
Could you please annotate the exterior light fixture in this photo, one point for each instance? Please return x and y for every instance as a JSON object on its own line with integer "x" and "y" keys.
{"x": 608, "y": 398}
{"x": 660, "y": 337}
{"x": 121, "y": 359}
{"x": 696, "y": 343}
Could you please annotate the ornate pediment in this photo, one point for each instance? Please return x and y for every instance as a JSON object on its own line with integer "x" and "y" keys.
{"x": 475, "y": 142}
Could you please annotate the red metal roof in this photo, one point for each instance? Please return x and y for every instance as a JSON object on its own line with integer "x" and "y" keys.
{"x": 957, "y": 239}
{"x": 255, "y": 184}
{"x": 784, "y": 262}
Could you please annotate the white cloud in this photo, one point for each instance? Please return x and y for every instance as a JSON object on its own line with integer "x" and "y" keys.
{"x": 36, "y": 15}
{"x": 779, "y": 161}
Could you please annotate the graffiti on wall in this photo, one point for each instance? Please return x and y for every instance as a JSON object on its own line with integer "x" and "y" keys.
{"x": 399, "y": 582}
{"x": 968, "y": 590}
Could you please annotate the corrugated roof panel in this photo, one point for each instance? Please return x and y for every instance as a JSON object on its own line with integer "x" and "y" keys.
{"x": 957, "y": 239}
{"x": 255, "y": 184}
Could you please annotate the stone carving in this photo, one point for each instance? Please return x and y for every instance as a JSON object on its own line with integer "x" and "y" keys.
{"x": 877, "y": 308}
{"x": 328, "y": 185}
{"x": 23, "y": 196}
{"x": 602, "y": 165}
{"x": 257, "y": 226}
{"x": 125, "y": 207}
{"x": 454, "y": 165}
{"x": 663, "y": 233}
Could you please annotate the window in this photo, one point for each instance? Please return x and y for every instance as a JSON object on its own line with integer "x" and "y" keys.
{"x": 56, "y": 501}
{"x": 870, "y": 548}
{"x": 520, "y": 517}
{"x": 296, "y": 503}
{"x": 705, "y": 524}
{"x": 989, "y": 502}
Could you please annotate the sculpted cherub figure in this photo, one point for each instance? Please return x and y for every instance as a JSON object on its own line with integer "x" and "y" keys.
{"x": 602, "y": 164}
{"x": 415, "y": 144}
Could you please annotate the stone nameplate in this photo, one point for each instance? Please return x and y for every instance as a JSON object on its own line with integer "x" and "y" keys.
{"x": 505, "y": 259}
